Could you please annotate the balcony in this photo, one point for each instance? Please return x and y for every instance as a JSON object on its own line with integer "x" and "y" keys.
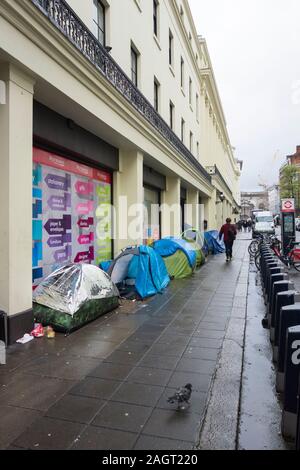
{"x": 69, "y": 24}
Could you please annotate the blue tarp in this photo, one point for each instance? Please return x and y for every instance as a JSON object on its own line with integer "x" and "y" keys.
{"x": 152, "y": 276}
{"x": 168, "y": 246}
{"x": 215, "y": 245}
{"x": 105, "y": 265}
{"x": 144, "y": 267}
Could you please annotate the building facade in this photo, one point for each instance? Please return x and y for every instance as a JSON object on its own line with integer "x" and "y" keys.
{"x": 274, "y": 199}
{"x": 104, "y": 103}
{"x": 255, "y": 200}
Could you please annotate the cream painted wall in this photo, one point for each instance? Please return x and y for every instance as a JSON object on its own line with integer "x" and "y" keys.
{"x": 16, "y": 191}
{"x": 128, "y": 196}
{"x": 154, "y": 62}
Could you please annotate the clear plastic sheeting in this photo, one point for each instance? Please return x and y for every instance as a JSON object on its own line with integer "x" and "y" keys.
{"x": 68, "y": 288}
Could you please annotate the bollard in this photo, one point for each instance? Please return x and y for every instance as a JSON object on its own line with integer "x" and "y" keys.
{"x": 289, "y": 316}
{"x": 270, "y": 263}
{"x": 291, "y": 383}
{"x": 298, "y": 420}
{"x": 275, "y": 270}
{"x": 279, "y": 286}
{"x": 272, "y": 279}
{"x": 267, "y": 276}
{"x": 3, "y": 337}
{"x": 283, "y": 299}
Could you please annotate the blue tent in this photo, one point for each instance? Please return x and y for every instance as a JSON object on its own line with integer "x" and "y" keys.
{"x": 213, "y": 243}
{"x": 139, "y": 270}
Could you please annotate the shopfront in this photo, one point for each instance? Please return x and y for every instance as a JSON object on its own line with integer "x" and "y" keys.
{"x": 72, "y": 196}
{"x": 71, "y": 214}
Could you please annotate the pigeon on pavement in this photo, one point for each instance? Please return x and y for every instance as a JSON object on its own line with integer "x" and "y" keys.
{"x": 182, "y": 396}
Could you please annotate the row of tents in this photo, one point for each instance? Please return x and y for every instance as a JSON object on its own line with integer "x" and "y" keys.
{"x": 78, "y": 293}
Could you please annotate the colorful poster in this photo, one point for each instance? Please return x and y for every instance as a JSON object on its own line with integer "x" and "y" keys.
{"x": 68, "y": 202}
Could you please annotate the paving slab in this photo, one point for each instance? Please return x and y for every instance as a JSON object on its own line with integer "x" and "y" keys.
{"x": 128, "y": 362}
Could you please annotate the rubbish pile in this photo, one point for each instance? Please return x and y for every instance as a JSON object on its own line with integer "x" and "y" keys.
{"x": 38, "y": 332}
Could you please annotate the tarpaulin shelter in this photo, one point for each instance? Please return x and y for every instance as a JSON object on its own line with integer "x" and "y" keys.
{"x": 213, "y": 243}
{"x": 74, "y": 295}
{"x": 139, "y": 271}
{"x": 196, "y": 239}
{"x": 179, "y": 256}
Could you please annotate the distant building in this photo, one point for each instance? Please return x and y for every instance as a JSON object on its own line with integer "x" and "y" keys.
{"x": 251, "y": 201}
{"x": 274, "y": 199}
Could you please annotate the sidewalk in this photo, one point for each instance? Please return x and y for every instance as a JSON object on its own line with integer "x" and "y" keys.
{"x": 105, "y": 386}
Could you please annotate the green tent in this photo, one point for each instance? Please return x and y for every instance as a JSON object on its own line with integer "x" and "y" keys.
{"x": 179, "y": 256}
{"x": 196, "y": 239}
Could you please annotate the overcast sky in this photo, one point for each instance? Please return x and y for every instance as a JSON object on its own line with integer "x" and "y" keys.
{"x": 255, "y": 51}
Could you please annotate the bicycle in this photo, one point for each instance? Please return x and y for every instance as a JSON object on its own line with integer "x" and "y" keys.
{"x": 291, "y": 259}
{"x": 255, "y": 245}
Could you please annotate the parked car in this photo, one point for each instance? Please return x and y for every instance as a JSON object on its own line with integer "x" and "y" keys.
{"x": 263, "y": 224}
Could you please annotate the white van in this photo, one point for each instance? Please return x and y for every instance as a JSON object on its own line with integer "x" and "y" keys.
{"x": 263, "y": 224}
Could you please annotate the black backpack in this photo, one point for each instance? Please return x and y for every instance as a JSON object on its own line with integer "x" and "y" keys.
{"x": 231, "y": 234}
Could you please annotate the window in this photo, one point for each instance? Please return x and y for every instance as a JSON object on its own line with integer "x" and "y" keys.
{"x": 156, "y": 95}
{"x": 172, "y": 107}
{"x": 190, "y": 91}
{"x": 155, "y": 17}
{"x": 197, "y": 107}
{"x": 171, "y": 48}
{"x": 191, "y": 142}
{"x": 182, "y": 129}
{"x": 134, "y": 67}
{"x": 99, "y": 21}
{"x": 182, "y": 73}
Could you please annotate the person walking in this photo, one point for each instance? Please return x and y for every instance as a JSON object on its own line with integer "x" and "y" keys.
{"x": 228, "y": 231}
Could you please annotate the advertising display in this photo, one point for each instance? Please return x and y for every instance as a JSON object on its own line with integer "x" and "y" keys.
{"x": 71, "y": 214}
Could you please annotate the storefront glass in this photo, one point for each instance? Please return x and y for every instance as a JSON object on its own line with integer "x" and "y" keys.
{"x": 71, "y": 214}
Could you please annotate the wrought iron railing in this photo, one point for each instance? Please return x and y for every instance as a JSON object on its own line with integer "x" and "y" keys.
{"x": 70, "y": 25}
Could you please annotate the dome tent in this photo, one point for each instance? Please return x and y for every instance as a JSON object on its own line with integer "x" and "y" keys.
{"x": 213, "y": 243}
{"x": 139, "y": 271}
{"x": 196, "y": 239}
{"x": 74, "y": 295}
{"x": 179, "y": 256}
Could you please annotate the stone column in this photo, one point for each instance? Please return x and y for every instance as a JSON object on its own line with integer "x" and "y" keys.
{"x": 128, "y": 200}
{"x": 170, "y": 208}
{"x": 16, "y": 115}
{"x": 210, "y": 211}
{"x": 192, "y": 209}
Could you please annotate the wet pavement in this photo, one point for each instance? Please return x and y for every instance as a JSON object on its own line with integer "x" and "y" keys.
{"x": 106, "y": 385}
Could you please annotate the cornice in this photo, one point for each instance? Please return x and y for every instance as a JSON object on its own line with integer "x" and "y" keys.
{"x": 29, "y": 21}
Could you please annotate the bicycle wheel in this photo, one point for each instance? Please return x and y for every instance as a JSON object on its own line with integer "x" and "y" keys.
{"x": 296, "y": 264}
{"x": 253, "y": 247}
{"x": 257, "y": 261}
